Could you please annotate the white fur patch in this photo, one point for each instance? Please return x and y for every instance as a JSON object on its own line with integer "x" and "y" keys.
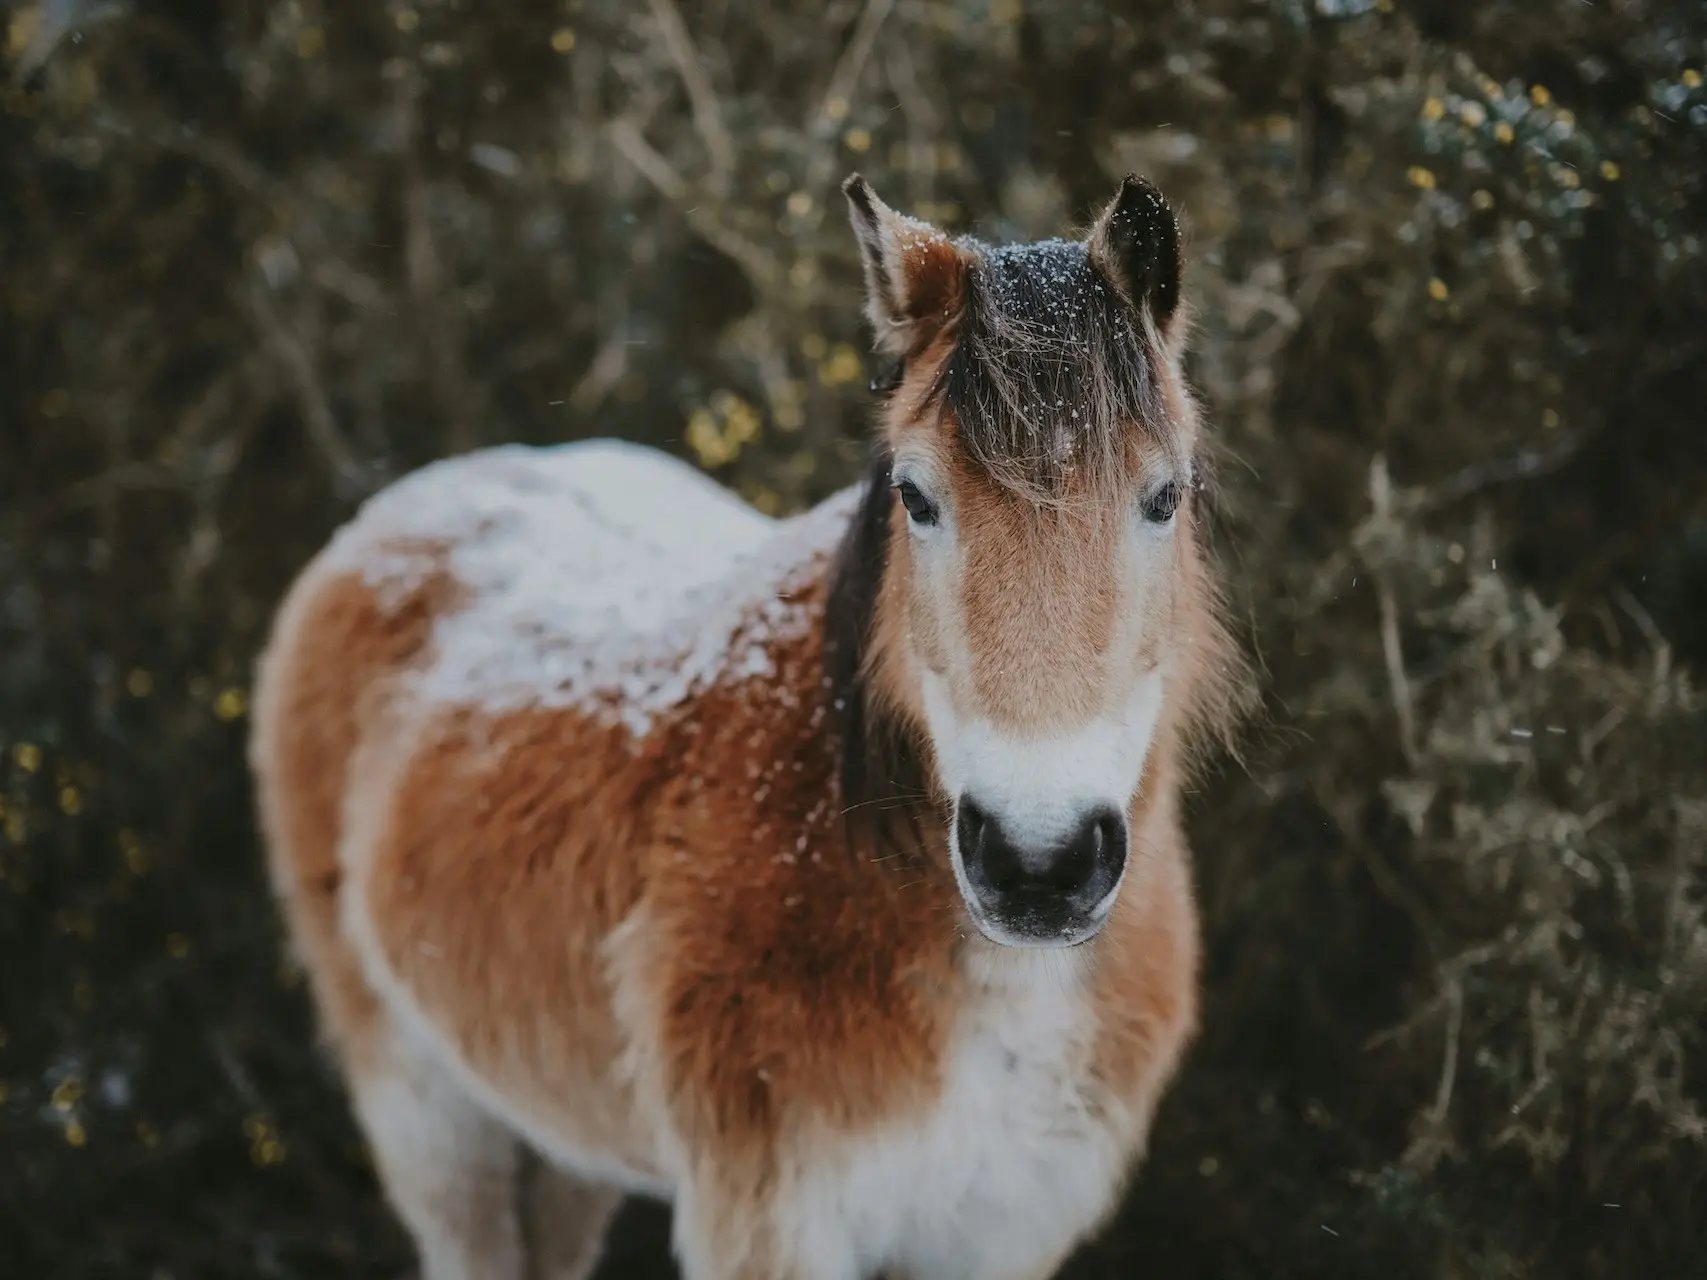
{"x": 1040, "y": 788}
{"x": 1013, "y": 1164}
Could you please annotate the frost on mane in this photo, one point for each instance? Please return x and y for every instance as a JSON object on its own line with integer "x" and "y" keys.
{"x": 594, "y": 575}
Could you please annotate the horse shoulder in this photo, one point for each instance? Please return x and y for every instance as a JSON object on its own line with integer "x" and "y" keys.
{"x": 783, "y": 980}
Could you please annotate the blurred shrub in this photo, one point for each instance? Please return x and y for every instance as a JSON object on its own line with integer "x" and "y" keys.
{"x": 257, "y": 258}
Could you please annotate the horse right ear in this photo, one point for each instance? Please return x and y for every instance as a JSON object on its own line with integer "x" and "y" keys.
{"x": 914, "y": 276}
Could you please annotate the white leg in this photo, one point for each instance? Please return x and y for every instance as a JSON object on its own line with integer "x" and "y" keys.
{"x": 718, "y": 1237}
{"x": 448, "y": 1169}
{"x": 567, "y": 1218}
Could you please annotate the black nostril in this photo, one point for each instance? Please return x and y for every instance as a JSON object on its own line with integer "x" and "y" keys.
{"x": 1076, "y": 862}
{"x": 971, "y": 824}
{"x": 984, "y": 851}
{"x": 1098, "y": 845}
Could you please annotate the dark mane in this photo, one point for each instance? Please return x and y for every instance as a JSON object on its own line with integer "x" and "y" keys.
{"x": 1052, "y": 369}
{"x": 882, "y": 777}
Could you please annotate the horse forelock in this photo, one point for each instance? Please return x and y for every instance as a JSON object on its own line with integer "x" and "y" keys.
{"x": 1054, "y": 381}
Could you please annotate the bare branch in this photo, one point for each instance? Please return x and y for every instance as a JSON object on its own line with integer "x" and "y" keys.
{"x": 923, "y": 122}
{"x": 701, "y": 215}
{"x": 311, "y": 398}
{"x": 439, "y": 327}
{"x": 605, "y": 370}
{"x": 1522, "y": 466}
{"x": 1381, "y": 497}
{"x": 1449, "y": 1067}
{"x": 186, "y": 141}
{"x": 845, "y": 78}
{"x": 833, "y": 106}
{"x": 1431, "y": 1141}
{"x": 702, "y": 98}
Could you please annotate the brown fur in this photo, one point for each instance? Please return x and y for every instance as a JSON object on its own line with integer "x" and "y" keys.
{"x": 314, "y": 700}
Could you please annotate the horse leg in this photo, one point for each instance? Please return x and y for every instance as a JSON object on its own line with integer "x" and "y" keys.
{"x": 448, "y": 1169}
{"x": 721, "y": 1234}
{"x": 566, "y": 1220}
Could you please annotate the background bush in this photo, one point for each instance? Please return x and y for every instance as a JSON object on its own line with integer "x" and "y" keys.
{"x": 257, "y": 258}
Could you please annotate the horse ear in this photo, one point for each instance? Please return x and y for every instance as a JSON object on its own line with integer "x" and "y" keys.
{"x": 1135, "y": 246}
{"x": 914, "y": 276}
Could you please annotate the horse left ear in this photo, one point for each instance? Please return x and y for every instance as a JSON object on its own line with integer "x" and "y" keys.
{"x": 914, "y": 275}
{"x": 1135, "y": 246}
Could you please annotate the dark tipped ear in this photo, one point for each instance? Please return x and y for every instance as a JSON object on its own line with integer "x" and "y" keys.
{"x": 913, "y": 272}
{"x": 1135, "y": 245}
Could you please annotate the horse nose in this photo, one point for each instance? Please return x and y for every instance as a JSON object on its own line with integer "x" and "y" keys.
{"x": 1070, "y": 875}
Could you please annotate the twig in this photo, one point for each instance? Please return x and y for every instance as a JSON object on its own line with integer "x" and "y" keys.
{"x": 328, "y": 270}
{"x": 440, "y": 334}
{"x": 443, "y": 354}
{"x": 352, "y": 286}
{"x": 1399, "y": 1030}
{"x": 1641, "y": 617}
{"x": 1396, "y": 891}
{"x": 1381, "y": 497}
{"x": 127, "y": 477}
{"x": 625, "y": 135}
{"x": 317, "y": 417}
{"x": 760, "y": 269}
{"x": 201, "y": 548}
{"x": 702, "y": 98}
{"x": 1393, "y": 653}
{"x": 1522, "y": 466}
{"x": 923, "y": 123}
{"x": 1526, "y": 465}
{"x": 1452, "y": 976}
{"x": 1449, "y": 1067}
{"x": 851, "y": 65}
{"x": 753, "y": 340}
{"x": 1651, "y": 633}
{"x": 242, "y": 1084}
{"x": 1343, "y": 810}
{"x": 832, "y": 107}
{"x": 608, "y": 365}
{"x": 781, "y": 392}
{"x": 1430, "y": 1143}
{"x": 1534, "y": 1091}
{"x": 186, "y": 141}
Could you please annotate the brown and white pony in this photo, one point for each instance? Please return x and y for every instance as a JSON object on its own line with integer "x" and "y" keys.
{"x": 823, "y": 876}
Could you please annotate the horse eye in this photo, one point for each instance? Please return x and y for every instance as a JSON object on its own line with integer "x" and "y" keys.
{"x": 889, "y": 379}
{"x": 920, "y": 509}
{"x": 1160, "y": 506}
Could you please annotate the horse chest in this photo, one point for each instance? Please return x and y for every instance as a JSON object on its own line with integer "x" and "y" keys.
{"x": 1014, "y": 1158}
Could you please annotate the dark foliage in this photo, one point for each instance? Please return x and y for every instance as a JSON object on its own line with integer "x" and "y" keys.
{"x": 1447, "y": 263}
